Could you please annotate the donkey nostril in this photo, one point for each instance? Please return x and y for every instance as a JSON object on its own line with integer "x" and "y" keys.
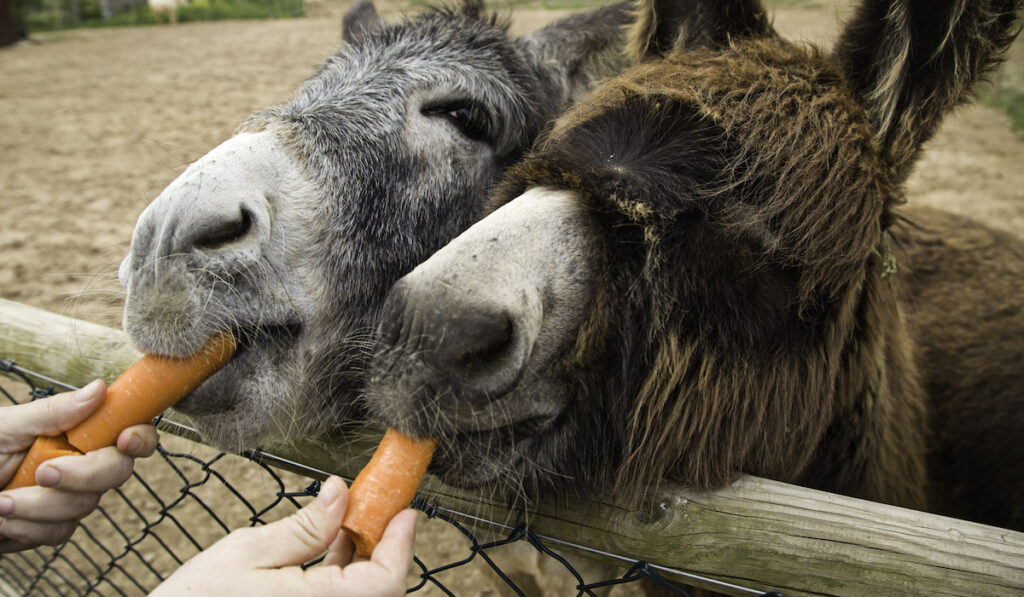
{"x": 223, "y": 233}
{"x": 480, "y": 351}
{"x": 489, "y": 344}
{"x": 490, "y": 341}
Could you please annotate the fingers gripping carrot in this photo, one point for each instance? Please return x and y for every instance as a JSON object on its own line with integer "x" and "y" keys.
{"x": 144, "y": 390}
{"x": 385, "y": 487}
{"x": 42, "y": 449}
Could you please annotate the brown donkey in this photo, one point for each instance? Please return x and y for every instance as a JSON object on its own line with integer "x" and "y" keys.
{"x": 694, "y": 275}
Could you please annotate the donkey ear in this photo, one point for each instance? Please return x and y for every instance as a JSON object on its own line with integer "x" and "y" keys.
{"x": 573, "y": 52}
{"x": 471, "y": 9}
{"x": 665, "y": 25}
{"x": 361, "y": 18}
{"x": 911, "y": 61}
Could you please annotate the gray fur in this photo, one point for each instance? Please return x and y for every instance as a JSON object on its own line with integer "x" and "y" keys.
{"x": 360, "y": 177}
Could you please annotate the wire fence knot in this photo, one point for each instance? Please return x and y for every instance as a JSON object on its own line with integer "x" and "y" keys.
{"x": 42, "y": 392}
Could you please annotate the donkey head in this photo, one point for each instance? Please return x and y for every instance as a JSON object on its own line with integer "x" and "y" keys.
{"x": 686, "y": 278}
{"x": 291, "y": 232}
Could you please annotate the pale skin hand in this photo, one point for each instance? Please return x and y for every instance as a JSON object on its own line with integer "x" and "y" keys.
{"x": 69, "y": 487}
{"x": 265, "y": 560}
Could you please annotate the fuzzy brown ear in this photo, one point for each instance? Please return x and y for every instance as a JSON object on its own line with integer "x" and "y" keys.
{"x": 361, "y": 18}
{"x": 665, "y": 25}
{"x": 911, "y": 61}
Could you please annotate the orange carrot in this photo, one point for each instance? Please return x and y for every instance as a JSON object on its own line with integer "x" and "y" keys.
{"x": 385, "y": 487}
{"x": 43, "y": 449}
{"x": 144, "y": 390}
{"x": 147, "y": 388}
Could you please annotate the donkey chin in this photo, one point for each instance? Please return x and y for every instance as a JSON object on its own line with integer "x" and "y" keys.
{"x": 484, "y": 438}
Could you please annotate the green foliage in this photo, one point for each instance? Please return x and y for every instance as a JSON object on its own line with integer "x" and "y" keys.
{"x": 206, "y": 10}
{"x": 506, "y": 5}
{"x": 50, "y": 15}
{"x": 1006, "y": 91}
{"x": 1011, "y": 101}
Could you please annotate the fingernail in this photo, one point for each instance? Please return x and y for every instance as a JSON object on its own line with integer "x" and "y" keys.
{"x": 6, "y": 505}
{"x": 88, "y": 392}
{"x": 329, "y": 491}
{"x": 134, "y": 443}
{"x": 47, "y": 476}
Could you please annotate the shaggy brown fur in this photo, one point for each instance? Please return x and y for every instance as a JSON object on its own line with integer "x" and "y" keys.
{"x": 961, "y": 288}
{"x": 745, "y": 191}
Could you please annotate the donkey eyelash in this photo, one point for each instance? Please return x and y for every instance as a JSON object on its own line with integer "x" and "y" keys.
{"x": 470, "y": 117}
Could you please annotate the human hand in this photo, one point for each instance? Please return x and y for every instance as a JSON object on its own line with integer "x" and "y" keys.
{"x": 265, "y": 560}
{"x": 69, "y": 487}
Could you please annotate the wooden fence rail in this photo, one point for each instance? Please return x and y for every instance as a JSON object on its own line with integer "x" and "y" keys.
{"x": 756, "y": 533}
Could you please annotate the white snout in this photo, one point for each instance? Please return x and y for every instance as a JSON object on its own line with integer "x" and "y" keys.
{"x": 219, "y": 206}
{"x": 530, "y": 259}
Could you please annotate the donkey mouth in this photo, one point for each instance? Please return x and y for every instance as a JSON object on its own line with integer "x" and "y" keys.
{"x": 473, "y": 458}
{"x": 258, "y": 346}
{"x": 255, "y": 337}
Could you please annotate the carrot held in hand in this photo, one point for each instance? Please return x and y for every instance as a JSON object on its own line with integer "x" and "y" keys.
{"x": 143, "y": 391}
{"x": 43, "y": 449}
{"x": 147, "y": 388}
{"x": 385, "y": 487}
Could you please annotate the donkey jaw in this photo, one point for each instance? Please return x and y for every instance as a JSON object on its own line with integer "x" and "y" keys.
{"x": 253, "y": 341}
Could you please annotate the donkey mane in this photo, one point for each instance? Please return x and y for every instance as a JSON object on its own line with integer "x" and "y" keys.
{"x": 693, "y": 23}
{"x": 758, "y": 94}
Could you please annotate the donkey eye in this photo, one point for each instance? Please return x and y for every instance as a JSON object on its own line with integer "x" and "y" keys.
{"x": 470, "y": 118}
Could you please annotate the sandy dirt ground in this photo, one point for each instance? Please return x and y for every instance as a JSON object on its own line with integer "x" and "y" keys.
{"x": 93, "y": 124}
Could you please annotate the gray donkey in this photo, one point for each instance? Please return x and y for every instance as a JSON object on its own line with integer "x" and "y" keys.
{"x": 291, "y": 232}
{"x": 692, "y": 277}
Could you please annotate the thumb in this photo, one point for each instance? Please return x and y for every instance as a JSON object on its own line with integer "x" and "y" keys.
{"x": 303, "y": 535}
{"x": 394, "y": 552}
{"x": 52, "y": 416}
